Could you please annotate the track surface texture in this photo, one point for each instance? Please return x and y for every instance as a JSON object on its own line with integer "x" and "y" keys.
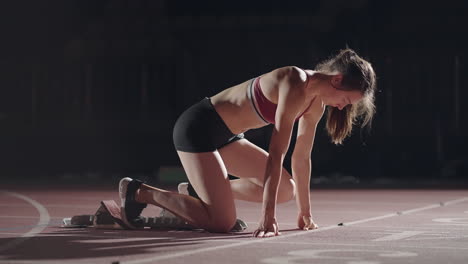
{"x": 356, "y": 227}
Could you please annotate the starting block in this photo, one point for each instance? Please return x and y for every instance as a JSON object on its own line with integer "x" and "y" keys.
{"x": 108, "y": 216}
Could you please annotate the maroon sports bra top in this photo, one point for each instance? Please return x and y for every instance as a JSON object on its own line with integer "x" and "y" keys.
{"x": 266, "y": 109}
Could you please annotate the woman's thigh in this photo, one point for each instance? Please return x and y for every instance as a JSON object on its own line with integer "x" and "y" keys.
{"x": 207, "y": 174}
{"x": 244, "y": 159}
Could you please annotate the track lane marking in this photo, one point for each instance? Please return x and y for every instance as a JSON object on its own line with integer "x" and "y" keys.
{"x": 365, "y": 245}
{"x": 17, "y": 205}
{"x": 299, "y": 233}
{"x": 44, "y": 219}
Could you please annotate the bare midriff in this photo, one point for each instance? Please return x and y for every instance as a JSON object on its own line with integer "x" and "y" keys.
{"x": 235, "y": 108}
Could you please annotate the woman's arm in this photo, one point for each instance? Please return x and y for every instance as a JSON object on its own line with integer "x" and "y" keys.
{"x": 301, "y": 163}
{"x": 290, "y": 102}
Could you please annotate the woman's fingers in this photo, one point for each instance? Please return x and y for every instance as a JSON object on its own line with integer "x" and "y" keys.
{"x": 314, "y": 226}
{"x": 277, "y": 232}
{"x": 259, "y": 233}
{"x": 307, "y": 220}
{"x": 267, "y": 233}
{"x": 309, "y": 223}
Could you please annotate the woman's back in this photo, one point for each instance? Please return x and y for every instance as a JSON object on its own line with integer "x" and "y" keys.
{"x": 239, "y": 107}
{"x": 235, "y": 108}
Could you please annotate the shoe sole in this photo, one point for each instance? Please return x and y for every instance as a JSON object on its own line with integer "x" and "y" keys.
{"x": 123, "y": 186}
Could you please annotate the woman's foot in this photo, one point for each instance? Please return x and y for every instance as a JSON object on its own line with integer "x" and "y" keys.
{"x": 130, "y": 209}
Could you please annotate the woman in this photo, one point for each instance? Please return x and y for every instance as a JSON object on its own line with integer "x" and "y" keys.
{"x": 209, "y": 141}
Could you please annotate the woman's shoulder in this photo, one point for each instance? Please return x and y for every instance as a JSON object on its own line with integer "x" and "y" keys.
{"x": 292, "y": 74}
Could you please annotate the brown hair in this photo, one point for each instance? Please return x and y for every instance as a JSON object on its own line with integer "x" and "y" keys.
{"x": 357, "y": 75}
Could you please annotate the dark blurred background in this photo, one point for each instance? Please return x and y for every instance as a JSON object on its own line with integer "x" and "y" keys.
{"x": 90, "y": 90}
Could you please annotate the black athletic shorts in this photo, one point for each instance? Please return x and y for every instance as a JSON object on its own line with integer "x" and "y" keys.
{"x": 201, "y": 129}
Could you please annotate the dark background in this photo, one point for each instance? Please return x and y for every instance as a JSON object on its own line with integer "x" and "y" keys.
{"x": 90, "y": 90}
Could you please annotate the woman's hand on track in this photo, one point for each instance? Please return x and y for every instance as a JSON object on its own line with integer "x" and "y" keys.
{"x": 305, "y": 222}
{"x": 268, "y": 227}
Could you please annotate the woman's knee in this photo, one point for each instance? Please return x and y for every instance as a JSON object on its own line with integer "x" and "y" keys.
{"x": 222, "y": 224}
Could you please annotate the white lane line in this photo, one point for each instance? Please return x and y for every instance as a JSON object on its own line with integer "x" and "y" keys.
{"x": 364, "y": 245}
{"x": 370, "y": 219}
{"x": 106, "y": 240}
{"x": 18, "y": 205}
{"x": 44, "y": 219}
{"x": 28, "y": 217}
{"x": 299, "y": 233}
{"x": 423, "y": 227}
{"x": 410, "y": 211}
{"x": 432, "y": 206}
{"x": 54, "y": 223}
{"x": 203, "y": 250}
{"x": 84, "y": 261}
{"x": 454, "y": 201}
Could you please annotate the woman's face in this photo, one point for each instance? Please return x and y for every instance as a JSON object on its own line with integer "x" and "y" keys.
{"x": 335, "y": 97}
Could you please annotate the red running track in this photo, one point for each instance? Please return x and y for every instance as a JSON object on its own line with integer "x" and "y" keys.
{"x": 380, "y": 226}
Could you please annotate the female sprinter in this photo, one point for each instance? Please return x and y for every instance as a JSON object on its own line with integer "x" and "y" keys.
{"x": 209, "y": 141}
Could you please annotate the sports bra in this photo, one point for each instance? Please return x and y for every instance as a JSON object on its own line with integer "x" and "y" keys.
{"x": 266, "y": 109}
